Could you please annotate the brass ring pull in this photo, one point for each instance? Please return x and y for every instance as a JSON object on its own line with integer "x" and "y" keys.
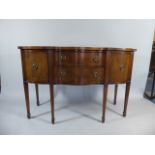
{"x": 63, "y": 57}
{"x": 121, "y": 67}
{"x": 95, "y": 59}
{"x": 34, "y": 67}
{"x": 62, "y": 74}
{"x": 96, "y": 74}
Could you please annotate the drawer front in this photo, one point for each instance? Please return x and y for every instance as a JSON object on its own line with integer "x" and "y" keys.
{"x": 77, "y": 75}
{"x": 92, "y": 58}
{"x": 72, "y": 58}
{"x": 36, "y": 67}
{"x": 66, "y": 58}
{"x": 120, "y": 67}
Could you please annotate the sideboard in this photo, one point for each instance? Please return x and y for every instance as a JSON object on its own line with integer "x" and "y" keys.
{"x": 76, "y": 66}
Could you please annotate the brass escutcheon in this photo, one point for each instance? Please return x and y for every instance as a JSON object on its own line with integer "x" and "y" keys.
{"x": 121, "y": 67}
{"x": 34, "y": 67}
{"x": 63, "y": 57}
{"x": 95, "y": 59}
{"x": 62, "y": 74}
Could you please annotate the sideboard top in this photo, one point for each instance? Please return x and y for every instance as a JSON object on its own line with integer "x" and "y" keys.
{"x": 75, "y": 48}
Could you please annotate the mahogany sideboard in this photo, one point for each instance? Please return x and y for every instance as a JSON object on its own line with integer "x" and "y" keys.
{"x": 76, "y": 66}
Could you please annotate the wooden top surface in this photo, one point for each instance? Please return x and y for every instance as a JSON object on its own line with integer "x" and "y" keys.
{"x": 76, "y": 48}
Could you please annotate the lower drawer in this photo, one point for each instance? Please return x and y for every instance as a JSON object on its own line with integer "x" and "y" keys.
{"x": 80, "y": 76}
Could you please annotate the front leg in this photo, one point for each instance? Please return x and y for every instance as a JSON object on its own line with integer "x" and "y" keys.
{"x": 52, "y": 103}
{"x": 26, "y": 91}
{"x": 105, "y": 91}
{"x": 115, "y": 93}
{"x": 126, "y": 98}
{"x": 37, "y": 94}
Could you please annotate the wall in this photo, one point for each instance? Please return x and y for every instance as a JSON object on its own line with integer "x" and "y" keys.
{"x": 113, "y": 33}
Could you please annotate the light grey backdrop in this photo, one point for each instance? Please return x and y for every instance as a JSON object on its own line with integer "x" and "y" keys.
{"x": 113, "y": 33}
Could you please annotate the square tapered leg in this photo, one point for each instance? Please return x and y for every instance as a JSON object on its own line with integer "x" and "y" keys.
{"x": 115, "y": 93}
{"x": 26, "y": 91}
{"x": 37, "y": 94}
{"x": 105, "y": 91}
{"x": 126, "y": 98}
{"x": 52, "y": 103}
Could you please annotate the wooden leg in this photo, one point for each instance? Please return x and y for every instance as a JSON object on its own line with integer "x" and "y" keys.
{"x": 104, "y": 101}
{"x": 37, "y": 94}
{"x": 52, "y": 102}
{"x": 126, "y": 98}
{"x": 115, "y": 93}
{"x": 26, "y": 90}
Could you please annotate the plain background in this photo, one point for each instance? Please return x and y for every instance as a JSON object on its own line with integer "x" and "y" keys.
{"x": 77, "y": 9}
{"x": 77, "y": 108}
{"x": 136, "y": 34}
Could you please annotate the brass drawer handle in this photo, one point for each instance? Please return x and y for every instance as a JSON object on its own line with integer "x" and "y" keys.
{"x": 63, "y": 57}
{"x": 122, "y": 68}
{"x": 34, "y": 67}
{"x": 96, "y": 75}
{"x": 62, "y": 74}
{"x": 95, "y": 59}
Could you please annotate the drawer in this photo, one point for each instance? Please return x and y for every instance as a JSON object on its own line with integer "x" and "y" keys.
{"x": 93, "y": 75}
{"x": 73, "y": 58}
{"x": 35, "y": 66}
{"x": 92, "y": 58}
{"x": 66, "y": 58}
{"x": 77, "y": 75}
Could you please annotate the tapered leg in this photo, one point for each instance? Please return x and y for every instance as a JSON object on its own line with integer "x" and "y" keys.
{"x": 26, "y": 90}
{"x": 126, "y": 98}
{"x": 115, "y": 94}
{"x": 105, "y": 91}
{"x": 52, "y": 102}
{"x": 37, "y": 94}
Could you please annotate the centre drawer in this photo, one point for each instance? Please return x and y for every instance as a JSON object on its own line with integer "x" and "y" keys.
{"x": 78, "y": 75}
{"x": 66, "y": 58}
{"x": 92, "y": 58}
{"x": 72, "y": 58}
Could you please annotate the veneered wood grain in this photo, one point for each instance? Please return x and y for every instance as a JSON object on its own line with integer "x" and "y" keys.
{"x": 120, "y": 66}
{"x": 36, "y": 66}
{"x": 76, "y": 66}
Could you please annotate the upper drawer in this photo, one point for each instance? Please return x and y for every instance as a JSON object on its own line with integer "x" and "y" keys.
{"x": 91, "y": 58}
{"x": 65, "y": 58}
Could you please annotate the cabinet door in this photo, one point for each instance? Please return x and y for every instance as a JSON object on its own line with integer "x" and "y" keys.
{"x": 120, "y": 67}
{"x": 35, "y": 66}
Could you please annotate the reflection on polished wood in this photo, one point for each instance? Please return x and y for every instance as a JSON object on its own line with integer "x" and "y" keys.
{"x": 76, "y": 66}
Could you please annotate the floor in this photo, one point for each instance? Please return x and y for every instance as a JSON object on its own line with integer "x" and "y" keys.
{"x": 74, "y": 117}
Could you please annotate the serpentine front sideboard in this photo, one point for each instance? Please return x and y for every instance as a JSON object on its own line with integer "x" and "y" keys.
{"x": 76, "y": 66}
